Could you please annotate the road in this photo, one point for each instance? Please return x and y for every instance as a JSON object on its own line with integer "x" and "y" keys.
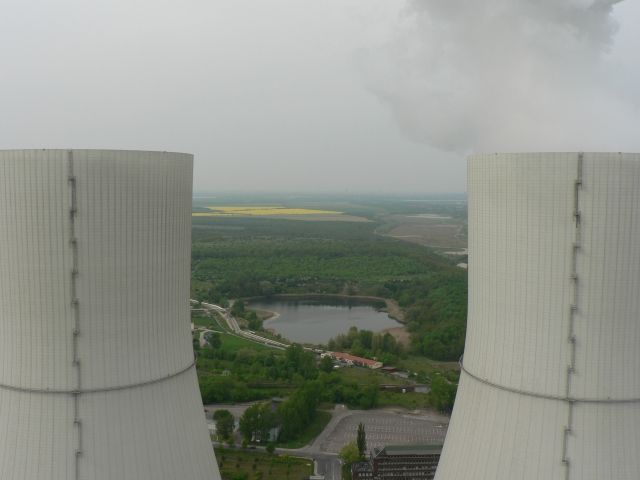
{"x": 325, "y": 463}
{"x": 328, "y": 465}
{"x": 384, "y": 427}
{"x": 232, "y": 323}
{"x": 235, "y": 328}
{"x": 389, "y": 426}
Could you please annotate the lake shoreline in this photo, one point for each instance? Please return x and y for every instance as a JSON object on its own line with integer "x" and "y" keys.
{"x": 268, "y": 310}
{"x": 391, "y": 306}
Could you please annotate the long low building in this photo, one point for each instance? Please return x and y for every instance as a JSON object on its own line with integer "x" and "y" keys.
{"x": 399, "y": 461}
{"x": 353, "y": 360}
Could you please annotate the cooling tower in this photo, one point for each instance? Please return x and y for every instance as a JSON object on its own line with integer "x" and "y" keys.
{"x": 550, "y": 388}
{"x": 97, "y": 377}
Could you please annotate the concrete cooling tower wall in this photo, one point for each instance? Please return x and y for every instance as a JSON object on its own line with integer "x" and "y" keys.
{"x": 550, "y": 386}
{"x": 97, "y": 377}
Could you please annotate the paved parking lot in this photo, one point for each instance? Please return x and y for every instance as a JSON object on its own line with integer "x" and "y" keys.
{"x": 385, "y": 428}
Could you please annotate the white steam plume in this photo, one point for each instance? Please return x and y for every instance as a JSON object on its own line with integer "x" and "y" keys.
{"x": 498, "y": 75}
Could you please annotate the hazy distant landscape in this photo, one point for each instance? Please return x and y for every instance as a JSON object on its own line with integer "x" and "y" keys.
{"x": 242, "y": 253}
{"x": 262, "y": 257}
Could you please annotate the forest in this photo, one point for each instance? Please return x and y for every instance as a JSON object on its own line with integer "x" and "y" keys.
{"x": 238, "y": 258}
{"x": 248, "y": 257}
{"x": 296, "y": 376}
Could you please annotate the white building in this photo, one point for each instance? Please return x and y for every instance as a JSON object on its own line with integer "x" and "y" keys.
{"x": 97, "y": 376}
{"x": 550, "y": 388}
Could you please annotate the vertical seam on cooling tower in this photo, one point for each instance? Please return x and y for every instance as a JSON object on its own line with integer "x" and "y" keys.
{"x": 75, "y": 306}
{"x": 573, "y": 310}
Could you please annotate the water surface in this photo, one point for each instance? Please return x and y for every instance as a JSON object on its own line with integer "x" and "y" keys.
{"x": 316, "y": 321}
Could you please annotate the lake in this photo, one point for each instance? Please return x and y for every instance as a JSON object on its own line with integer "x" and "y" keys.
{"x": 316, "y": 321}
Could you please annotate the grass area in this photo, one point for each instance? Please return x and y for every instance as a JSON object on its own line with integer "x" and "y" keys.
{"x": 247, "y": 465}
{"x": 313, "y": 430}
{"x": 233, "y": 343}
{"x": 211, "y": 320}
{"x": 203, "y": 321}
{"x": 368, "y": 376}
{"x": 414, "y": 363}
{"x": 409, "y": 400}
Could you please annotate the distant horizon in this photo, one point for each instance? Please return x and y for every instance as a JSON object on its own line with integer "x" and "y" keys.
{"x": 267, "y": 193}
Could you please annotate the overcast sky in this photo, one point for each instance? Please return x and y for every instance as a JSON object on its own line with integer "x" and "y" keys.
{"x": 321, "y": 96}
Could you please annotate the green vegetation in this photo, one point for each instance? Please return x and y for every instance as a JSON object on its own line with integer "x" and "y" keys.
{"x": 239, "y": 370}
{"x": 250, "y": 465}
{"x": 256, "y": 422}
{"x": 425, "y": 367}
{"x": 409, "y": 400}
{"x": 312, "y": 430}
{"x": 299, "y": 410}
{"x": 349, "y": 455}
{"x": 326, "y": 364}
{"x": 240, "y": 258}
{"x": 443, "y": 393}
{"x": 365, "y": 343}
{"x": 297, "y": 418}
{"x": 366, "y": 376}
{"x": 240, "y": 311}
{"x": 225, "y": 423}
{"x": 361, "y": 441}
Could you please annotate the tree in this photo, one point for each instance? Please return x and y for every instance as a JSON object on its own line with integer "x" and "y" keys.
{"x": 357, "y": 349}
{"x": 299, "y": 410}
{"x": 237, "y": 310}
{"x": 361, "y": 441}
{"x": 267, "y": 288}
{"x": 367, "y": 397}
{"x": 213, "y": 339}
{"x": 256, "y": 422}
{"x": 326, "y": 364}
{"x": 366, "y": 338}
{"x": 224, "y": 424}
{"x": 442, "y": 394}
{"x": 445, "y": 342}
{"x": 349, "y": 455}
{"x": 301, "y": 361}
{"x": 254, "y": 322}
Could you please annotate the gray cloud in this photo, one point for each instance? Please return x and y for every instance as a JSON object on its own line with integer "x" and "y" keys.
{"x": 507, "y": 75}
{"x": 266, "y": 95}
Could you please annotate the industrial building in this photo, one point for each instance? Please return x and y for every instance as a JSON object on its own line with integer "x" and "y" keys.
{"x": 97, "y": 374}
{"x": 410, "y": 462}
{"x": 549, "y": 387}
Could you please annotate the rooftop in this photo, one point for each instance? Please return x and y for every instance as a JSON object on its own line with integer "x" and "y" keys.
{"x": 410, "y": 450}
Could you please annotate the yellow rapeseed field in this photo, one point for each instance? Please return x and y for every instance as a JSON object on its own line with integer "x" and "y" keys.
{"x": 259, "y": 211}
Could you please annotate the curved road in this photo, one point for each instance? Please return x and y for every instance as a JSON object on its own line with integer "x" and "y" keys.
{"x": 232, "y": 323}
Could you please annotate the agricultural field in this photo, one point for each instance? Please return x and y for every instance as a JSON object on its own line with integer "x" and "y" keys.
{"x": 441, "y": 233}
{"x": 274, "y": 211}
{"x": 259, "y": 211}
{"x": 444, "y": 232}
